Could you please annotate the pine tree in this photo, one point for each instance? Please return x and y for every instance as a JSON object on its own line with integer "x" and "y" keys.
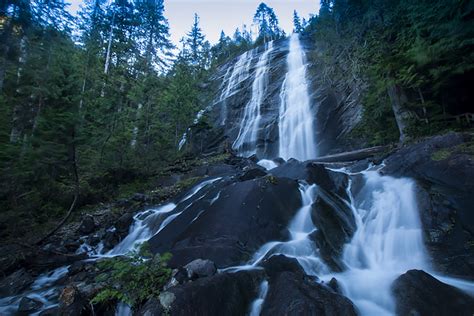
{"x": 267, "y": 23}
{"x": 297, "y": 27}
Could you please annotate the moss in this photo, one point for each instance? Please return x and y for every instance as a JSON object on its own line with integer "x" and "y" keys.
{"x": 186, "y": 183}
{"x": 441, "y": 154}
{"x": 272, "y": 179}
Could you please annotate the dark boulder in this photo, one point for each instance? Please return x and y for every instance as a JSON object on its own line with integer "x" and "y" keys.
{"x": 331, "y": 181}
{"x": 53, "y": 311}
{"x": 252, "y": 174}
{"x": 292, "y": 293}
{"x": 72, "y": 302}
{"x": 221, "y": 294}
{"x": 336, "y": 226}
{"x": 87, "y": 225}
{"x": 29, "y": 305}
{"x": 152, "y": 307}
{"x": 200, "y": 268}
{"x": 418, "y": 293}
{"x": 15, "y": 283}
{"x": 228, "y": 231}
{"x": 280, "y": 263}
{"x": 124, "y": 222}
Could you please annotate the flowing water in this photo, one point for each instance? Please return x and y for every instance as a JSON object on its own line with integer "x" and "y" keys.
{"x": 296, "y": 126}
{"x": 245, "y": 142}
{"x": 388, "y": 242}
{"x": 239, "y": 73}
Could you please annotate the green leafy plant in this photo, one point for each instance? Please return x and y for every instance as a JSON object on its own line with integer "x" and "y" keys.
{"x": 134, "y": 278}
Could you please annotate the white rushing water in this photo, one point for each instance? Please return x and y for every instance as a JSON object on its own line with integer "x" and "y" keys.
{"x": 296, "y": 130}
{"x": 256, "y": 305}
{"x": 232, "y": 80}
{"x": 42, "y": 290}
{"x": 388, "y": 242}
{"x": 245, "y": 142}
{"x": 143, "y": 227}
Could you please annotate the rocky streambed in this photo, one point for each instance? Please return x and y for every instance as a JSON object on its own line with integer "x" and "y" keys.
{"x": 247, "y": 240}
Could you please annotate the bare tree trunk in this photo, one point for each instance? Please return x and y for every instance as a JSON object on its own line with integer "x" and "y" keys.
{"x": 15, "y": 132}
{"x": 107, "y": 55}
{"x": 398, "y": 99}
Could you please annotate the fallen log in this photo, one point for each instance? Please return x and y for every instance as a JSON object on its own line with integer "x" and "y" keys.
{"x": 355, "y": 155}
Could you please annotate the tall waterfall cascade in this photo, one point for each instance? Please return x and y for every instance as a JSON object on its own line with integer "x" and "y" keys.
{"x": 296, "y": 120}
{"x": 233, "y": 77}
{"x": 245, "y": 142}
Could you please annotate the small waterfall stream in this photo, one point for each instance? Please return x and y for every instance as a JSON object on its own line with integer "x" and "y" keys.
{"x": 245, "y": 143}
{"x": 296, "y": 118}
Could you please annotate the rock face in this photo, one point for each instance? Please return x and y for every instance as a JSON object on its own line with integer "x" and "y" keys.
{"x": 221, "y": 294}
{"x": 200, "y": 268}
{"x": 418, "y": 293}
{"x": 444, "y": 168}
{"x": 15, "y": 283}
{"x": 228, "y": 231}
{"x": 291, "y": 292}
{"x": 336, "y": 225}
{"x": 28, "y": 306}
{"x": 336, "y": 110}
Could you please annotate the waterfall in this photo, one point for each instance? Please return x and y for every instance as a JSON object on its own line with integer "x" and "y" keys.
{"x": 256, "y": 306}
{"x": 144, "y": 225}
{"x": 388, "y": 242}
{"x": 296, "y": 117}
{"x": 239, "y": 73}
{"x": 232, "y": 78}
{"x": 250, "y": 123}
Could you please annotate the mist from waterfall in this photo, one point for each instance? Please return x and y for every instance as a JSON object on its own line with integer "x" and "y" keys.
{"x": 296, "y": 120}
{"x": 245, "y": 142}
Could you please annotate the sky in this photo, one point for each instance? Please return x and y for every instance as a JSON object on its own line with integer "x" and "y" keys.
{"x": 227, "y": 15}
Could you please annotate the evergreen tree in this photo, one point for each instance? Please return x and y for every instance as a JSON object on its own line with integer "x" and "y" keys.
{"x": 194, "y": 43}
{"x": 297, "y": 27}
{"x": 267, "y": 22}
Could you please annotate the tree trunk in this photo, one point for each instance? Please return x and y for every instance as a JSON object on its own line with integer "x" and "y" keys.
{"x": 398, "y": 99}
{"x": 16, "y": 130}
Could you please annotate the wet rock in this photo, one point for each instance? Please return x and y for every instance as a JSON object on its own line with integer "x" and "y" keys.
{"x": 152, "y": 307}
{"x": 166, "y": 299}
{"x": 279, "y": 263}
{"x": 72, "y": 302}
{"x": 200, "y": 268}
{"x": 111, "y": 239}
{"x": 124, "y": 222}
{"x": 220, "y": 294}
{"x": 53, "y": 311}
{"x": 331, "y": 181}
{"x": 245, "y": 216}
{"x": 444, "y": 171}
{"x": 293, "y": 293}
{"x": 336, "y": 226}
{"x": 252, "y": 174}
{"x": 334, "y": 285}
{"x": 418, "y": 293}
{"x": 29, "y": 305}
{"x": 87, "y": 225}
{"x": 15, "y": 283}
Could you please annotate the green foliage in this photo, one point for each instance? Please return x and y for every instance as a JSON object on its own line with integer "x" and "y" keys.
{"x": 133, "y": 279}
{"x": 422, "y": 47}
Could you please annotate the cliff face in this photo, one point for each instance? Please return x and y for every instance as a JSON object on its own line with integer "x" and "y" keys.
{"x": 335, "y": 106}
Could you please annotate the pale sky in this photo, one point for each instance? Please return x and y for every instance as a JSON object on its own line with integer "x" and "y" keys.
{"x": 227, "y": 15}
